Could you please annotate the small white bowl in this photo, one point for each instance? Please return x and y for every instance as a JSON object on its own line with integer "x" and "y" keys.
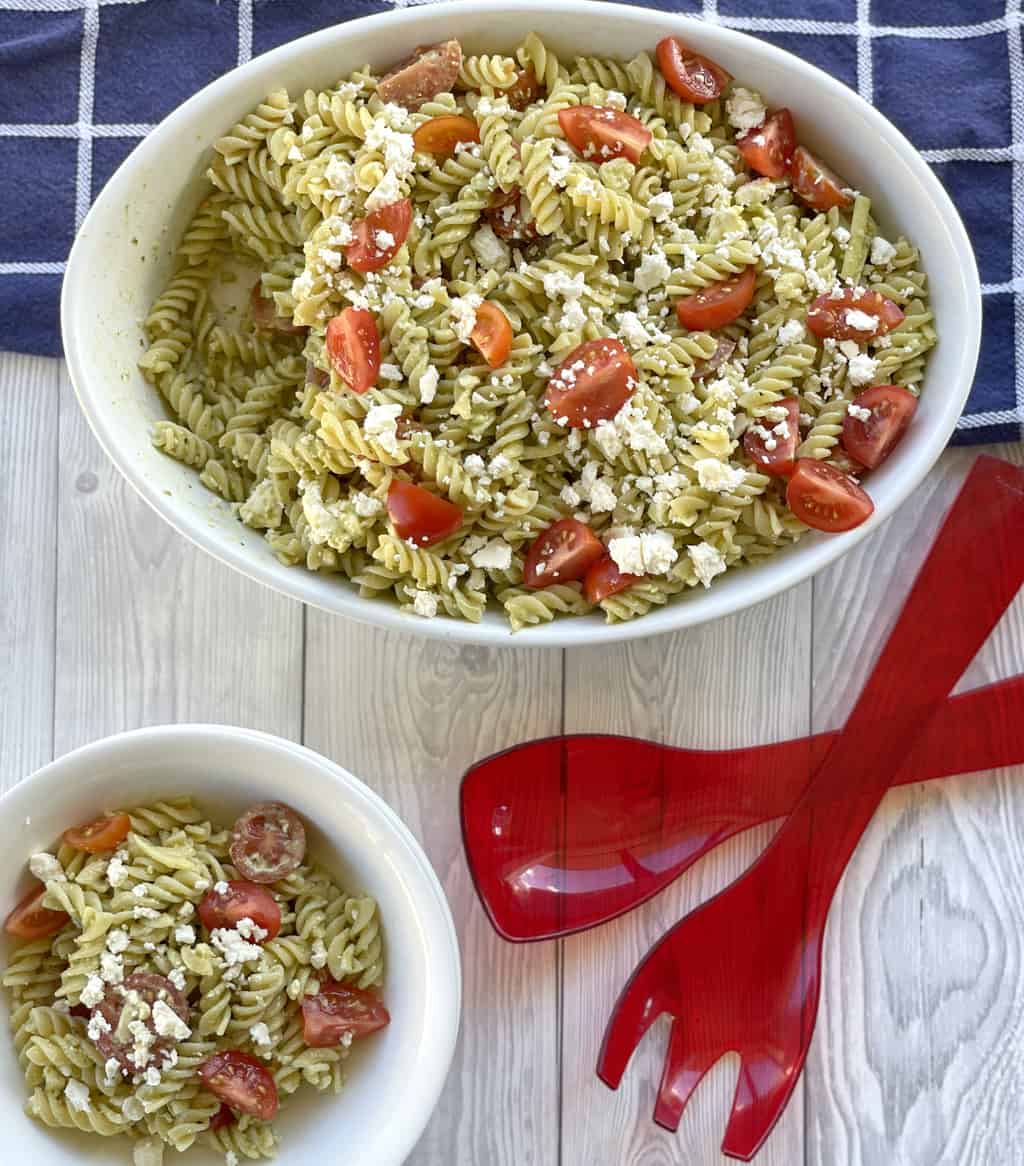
{"x": 396, "y": 1077}
{"x": 121, "y": 257}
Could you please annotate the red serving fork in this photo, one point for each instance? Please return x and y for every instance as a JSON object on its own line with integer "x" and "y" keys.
{"x": 566, "y": 833}
{"x": 742, "y": 972}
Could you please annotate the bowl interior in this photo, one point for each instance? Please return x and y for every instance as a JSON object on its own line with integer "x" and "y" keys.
{"x": 356, "y": 836}
{"x": 121, "y": 259}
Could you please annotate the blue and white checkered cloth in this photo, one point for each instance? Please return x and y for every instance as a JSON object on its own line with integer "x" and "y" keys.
{"x": 81, "y": 81}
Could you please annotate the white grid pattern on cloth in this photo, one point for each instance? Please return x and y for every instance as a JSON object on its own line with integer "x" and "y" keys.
{"x": 85, "y": 130}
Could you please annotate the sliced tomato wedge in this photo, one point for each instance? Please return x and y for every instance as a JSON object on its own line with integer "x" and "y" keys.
{"x": 242, "y": 900}
{"x": 441, "y": 135}
{"x": 492, "y": 334}
{"x": 601, "y": 133}
{"x": 132, "y": 1002}
{"x": 871, "y": 441}
{"x": 379, "y": 236}
{"x": 831, "y": 315}
{"x": 264, "y": 315}
{"x": 31, "y": 920}
{"x": 100, "y": 835}
{"x": 768, "y": 149}
{"x": 719, "y": 303}
{"x": 338, "y": 1009}
{"x": 353, "y": 346}
{"x": 604, "y": 578}
{"x": 241, "y": 1082}
{"x": 223, "y": 1118}
{"x": 526, "y": 90}
{"x": 814, "y": 182}
{"x": 268, "y": 842}
{"x": 695, "y": 78}
{"x": 418, "y": 515}
{"x": 772, "y": 445}
{"x": 562, "y": 553}
{"x": 825, "y": 499}
{"x": 592, "y": 384}
{"x": 508, "y": 216}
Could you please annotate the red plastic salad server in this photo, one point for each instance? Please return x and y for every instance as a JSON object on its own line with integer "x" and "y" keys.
{"x": 741, "y": 973}
{"x": 566, "y": 833}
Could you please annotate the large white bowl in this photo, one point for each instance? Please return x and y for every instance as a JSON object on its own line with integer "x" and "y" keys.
{"x": 395, "y": 1079}
{"x": 120, "y": 261}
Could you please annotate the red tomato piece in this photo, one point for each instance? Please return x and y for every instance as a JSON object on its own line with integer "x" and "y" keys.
{"x": 825, "y": 499}
{"x": 768, "y": 149}
{"x": 525, "y": 91}
{"x": 338, "y": 1009}
{"x": 241, "y": 1082}
{"x": 492, "y": 334}
{"x": 441, "y": 135}
{"x": 830, "y": 315}
{"x": 719, "y": 303}
{"x": 772, "y": 445}
{"x": 137, "y": 995}
{"x": 353, "y": 346}
{"x": 814, "y": 182}
{"x": 695, "y": 78}
{"x": 871, "y": 441}
{"x": 100, "y": 835}
{"x": 562, "y": 553}
{"x": 31, "y": 920}
{"x": 242, "y": 900}
{"x": 418, "y": 515}
{"x": 601, "y": 133}
{"x": 592, "y": 384}
{"x": 268, "y": 842}
{"x": 509, "y": 218}
{"x": 223, "y": 1118}
{"x": 604, "y": 578}
{"x": 379, "y": 236}
{"x": 264, "y": 313}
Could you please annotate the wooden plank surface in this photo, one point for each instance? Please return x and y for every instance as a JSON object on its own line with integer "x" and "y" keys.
{"x": 109, "y": 620}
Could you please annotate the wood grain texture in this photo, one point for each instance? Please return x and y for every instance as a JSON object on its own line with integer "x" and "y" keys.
{"x": 739, "y": 681}
{"x": 917, "y": 1058}
{"x": 28, "y": 519}
{"x": 408, "y": 716}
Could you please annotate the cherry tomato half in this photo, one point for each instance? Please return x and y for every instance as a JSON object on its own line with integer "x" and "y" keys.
{"x": 823, "y": 498}
{"x": 719, "y": 303}
{"x": 509, "y": 218}
{"x": 871, "y": 441}
{"x": 600, "y": 133}
{"x": 379, "y": 236}
{"x": 421, "y": 516}
{"x": 830, "y": 315}
{"x": 31, "y": 920}
{"x": 592, "y": 384}
{"x": 338, "y": 1009}
{"x": 604, "y": 578}
{"x": 268, "y": 842}
{"x": 264, "y": 315}
{"x": 492, "y": 334}
{"x": 776, "y": 452}
{"x": 242, "y": 900}
{"x": 241, "y": 1082}
{"x": 353, "y": 346}
{"x": 100, "y": 835}
{"x": 562, "y": 553}
{"x": 768, "y": 149}
{"x": 441, "y": 135}
{"x": 695, "y": 78}
{"x": 815, "y": 183}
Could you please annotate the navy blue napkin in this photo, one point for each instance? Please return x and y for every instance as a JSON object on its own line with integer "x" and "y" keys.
{"x": 81, "y": 81}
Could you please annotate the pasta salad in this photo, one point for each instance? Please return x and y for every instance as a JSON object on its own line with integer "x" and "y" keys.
{"x": 531, "y": 332}
{"x": 177, "y": 980}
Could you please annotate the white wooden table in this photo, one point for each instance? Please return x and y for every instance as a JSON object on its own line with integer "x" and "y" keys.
{"x": 109, "y": 620}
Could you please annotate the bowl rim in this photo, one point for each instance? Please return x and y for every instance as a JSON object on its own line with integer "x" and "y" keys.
{"x": 787, "y": 570}
{"x": 442, "y": 1045}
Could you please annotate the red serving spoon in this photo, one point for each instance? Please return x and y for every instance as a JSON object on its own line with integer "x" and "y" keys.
{"x": 742, "y": 972}
{"x": 565, "y": 833}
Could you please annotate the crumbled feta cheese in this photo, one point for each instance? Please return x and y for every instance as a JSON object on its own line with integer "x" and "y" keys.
{"x": 861, "y": 369}
{"x": 570, "y": 497}
{"x": 745, "y": 109}
{"x": 647, "y": 553}
{"x": 383, "y": 240}
{"x": 117, "y": 940}
{"x": 46, "y": 868}
{"x": 859, "y": 412}
{"x": 185, "y": 934}
{"x": 152, "y": 1076}
{"x": 602, "y": 497}
{"x": 249, "y": 929}
{"x": 754, "y": 193}
{"x": 882, "y": 252}
{"x": 707, "y": 562}
{"x": 792, "y": 332}
{"x": 77, "y": 1093}
{"x": 713, "y": 474}
{"x": 660, "y": 206}
{"x": 381, "y": 424}
{"x": 615, "y": 99}
{"x": 230, "y": 1158}
{"x": 428, "y": 384}
{"x": 391, "y": 372}
{"x": 168, "y": 1023}
{"x": 111, "y": 967}
{"x": 365, "y": 505}
{"x": 116, "y": 869}
{"x": 638, "y": 333}
{"x": 260, "y": 1035}
{"x": 861, "y": 321}
{"x": 93, "y": 992}
{"x": 496, "y": 555}
{"x": 387, "y": 191}
{"x": 654, "y": 269}
{"x": 233, "y": 947}
{"x": 489, "y": 249}
{"x": 463, "y": 315}
{"x": 97, "y": 1026}
{"x": 424, "y": 604}
{"x": 318, "y": 954}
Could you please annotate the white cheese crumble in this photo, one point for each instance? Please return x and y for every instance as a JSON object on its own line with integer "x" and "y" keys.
{"x": 116, "y": 872}
{"x": 713, "y": 474}
{"x": 754, "y": 193}
{"x": 496, "y": 555}
{"x": 260, "y": 1035}
{"x": 792, "y": 332}
{"x": 859, "y": 412}
{"x": 93, "y": 992}
{"x": 168, "y": 1023}
{"x": 77, "y": 1093}
{"x": 861, "y": 369}
{"x": 230, "y": 1158}
{"x": 745, "y": 109}
{"x": 425, "y": 605}
{"x": 387, "y": 191}
{"x": 365, "y": 505}
{"x": 660, "y": 206}
{"x": 111, "y": 967}
{"x": 428, "y": 384}
{"x": 489, "y": 249}
{"x": 647, "y": 553}
{"x": 882, "y": 252}
{"x": 707, "y": 562}
{"x": 318, "y": 954}
{"x": 221, "y": 887}
{"x": 654, "y": 269}
{"x": 185, "y": 934}
{"x": 233, "y": 947}
{"x": 861, "y": 321}
{"x": 46, "y": 868}
{"x": 463, "y": 315}
{"x": 177, "y": 978}
{"x": 97, "y": 1026}
{"x": 381, "y": 424}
